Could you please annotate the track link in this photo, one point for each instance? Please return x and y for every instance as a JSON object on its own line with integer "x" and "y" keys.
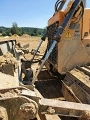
{"x": 76, "y": 85}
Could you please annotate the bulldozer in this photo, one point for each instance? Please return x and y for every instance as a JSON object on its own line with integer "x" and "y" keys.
{"x": 67, "y": 59}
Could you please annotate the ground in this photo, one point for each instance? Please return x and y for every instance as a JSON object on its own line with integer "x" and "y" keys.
{"x": 26, "y": 39}
{"x": 33, "y": 43}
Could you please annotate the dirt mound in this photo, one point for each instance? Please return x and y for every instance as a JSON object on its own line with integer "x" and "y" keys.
{"x": 6, "y": 37}
{"x": 15, "y": 35}
{"x": 25, "y": 35}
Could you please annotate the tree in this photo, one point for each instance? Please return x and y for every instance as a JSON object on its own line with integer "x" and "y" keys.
{"x": 21, "y": 30}
{"x": 8, "y": 31}
{"x": 15, "y": 29}
{"x": 35, "y": 32}
{"x": 4, "y": 33}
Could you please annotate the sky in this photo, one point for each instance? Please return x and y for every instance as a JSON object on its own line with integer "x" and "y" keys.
{"x": 27, "y": 13}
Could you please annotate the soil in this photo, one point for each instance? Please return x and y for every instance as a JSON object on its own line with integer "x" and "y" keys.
{"x": 26, "y": 39}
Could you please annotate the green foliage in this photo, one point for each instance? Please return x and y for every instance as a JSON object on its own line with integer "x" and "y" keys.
{"x": 32, "y": 31}
{"x": 21, "y": 30}
{"x": 4, "y": 33}
{"x": 8, "y": 32}
{"x": 15, "y": 29}
{"x": 2, "y": 29}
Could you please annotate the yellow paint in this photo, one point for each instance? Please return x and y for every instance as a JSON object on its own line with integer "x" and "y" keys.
{"x": 68, "y": 35}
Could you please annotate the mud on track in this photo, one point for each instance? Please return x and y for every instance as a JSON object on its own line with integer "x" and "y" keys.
{"x": 50, "y": 87}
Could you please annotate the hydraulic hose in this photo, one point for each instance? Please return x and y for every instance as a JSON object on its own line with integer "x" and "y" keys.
{"x": 32, "y": 59}
{"x": 59, "y": 5}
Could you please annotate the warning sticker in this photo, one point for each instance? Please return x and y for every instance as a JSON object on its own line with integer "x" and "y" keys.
{"x": 68, "y": 34}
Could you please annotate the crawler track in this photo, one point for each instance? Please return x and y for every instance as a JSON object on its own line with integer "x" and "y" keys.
{"x": 50, "y": 87}
{"x": 76, "y": 85}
